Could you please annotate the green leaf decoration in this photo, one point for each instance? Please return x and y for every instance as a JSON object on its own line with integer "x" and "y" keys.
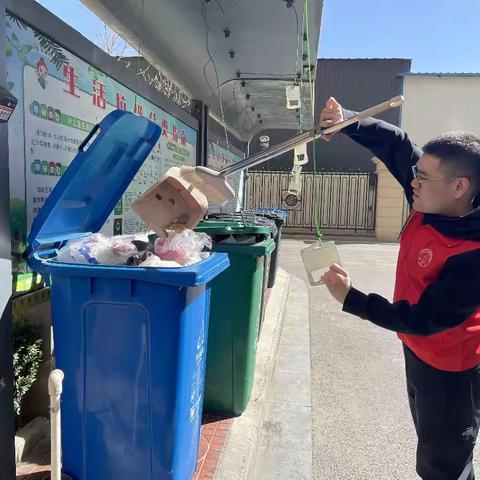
{"x": 17, "y": 22}
{"x": 14, "y": 38}
{"x": 10, "y": 85}
{"x": 26, "y": 49}
{"x": 8, "y": 50}
{"x": 55, "y": 53}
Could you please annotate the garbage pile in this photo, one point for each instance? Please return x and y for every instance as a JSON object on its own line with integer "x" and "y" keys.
{"x": 176, "y": 248}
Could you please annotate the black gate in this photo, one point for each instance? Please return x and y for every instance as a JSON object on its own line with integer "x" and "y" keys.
{"x": 340, "y": 202}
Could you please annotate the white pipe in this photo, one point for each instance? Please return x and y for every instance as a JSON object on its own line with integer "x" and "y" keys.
{"x": 55, "y": 380}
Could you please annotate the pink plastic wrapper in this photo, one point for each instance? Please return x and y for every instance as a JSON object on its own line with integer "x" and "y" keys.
{"x": 185, "y": 247}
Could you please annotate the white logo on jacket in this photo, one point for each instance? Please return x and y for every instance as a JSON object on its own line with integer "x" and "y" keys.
{"x": 425, "y": 257}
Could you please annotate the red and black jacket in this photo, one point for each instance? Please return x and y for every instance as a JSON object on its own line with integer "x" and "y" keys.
{"x": 436, "y": 308}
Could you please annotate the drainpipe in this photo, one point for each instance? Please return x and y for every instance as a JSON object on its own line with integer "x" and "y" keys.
{"x": 55, "y": 391}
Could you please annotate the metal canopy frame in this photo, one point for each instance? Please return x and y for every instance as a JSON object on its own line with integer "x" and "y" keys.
{"x": 254, "y": 46}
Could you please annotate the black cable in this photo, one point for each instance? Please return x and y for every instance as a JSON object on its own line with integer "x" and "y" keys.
{"x": 205, "y": 73}
{"x": 210, "y": 56}
{"x": 207, "y": 28}
{"x": 230, "y": 9}
{"x": 268, "y": 74}
{"x": 220, "y": 5}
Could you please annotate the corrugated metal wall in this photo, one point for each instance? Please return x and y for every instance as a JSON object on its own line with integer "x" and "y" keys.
{"x": 357, "y": 84}
{"x": 438, "y": 104}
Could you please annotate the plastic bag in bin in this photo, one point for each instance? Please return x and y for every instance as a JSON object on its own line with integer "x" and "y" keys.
{"x": 184, "y": 247}
{"x": 96, "y": 249}
{"x": 175, "y": 250}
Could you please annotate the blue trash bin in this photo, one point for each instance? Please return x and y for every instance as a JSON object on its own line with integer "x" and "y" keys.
{"x": 130, "y": 340}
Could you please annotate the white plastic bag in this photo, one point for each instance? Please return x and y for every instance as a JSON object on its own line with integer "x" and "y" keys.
{"x": 154, "y": 261}
{"x": 97, "y": 249}
{"x": 185, "y": 247}
{"x": 179, "y": 248}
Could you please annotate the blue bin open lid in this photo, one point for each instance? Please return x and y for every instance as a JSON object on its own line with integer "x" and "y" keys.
{"x": 96, "y": 179}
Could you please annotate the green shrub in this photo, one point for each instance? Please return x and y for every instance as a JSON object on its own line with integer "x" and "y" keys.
{"x": 27, "y": 356}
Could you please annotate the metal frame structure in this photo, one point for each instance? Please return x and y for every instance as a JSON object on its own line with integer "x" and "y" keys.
{"x": 343, "y": 202}
{"x": 7, "y": 423}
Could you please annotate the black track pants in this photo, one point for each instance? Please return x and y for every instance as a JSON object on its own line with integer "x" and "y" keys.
{"x": 445, "y": 408}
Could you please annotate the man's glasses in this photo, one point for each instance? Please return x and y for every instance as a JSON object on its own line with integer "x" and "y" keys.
{"x": 420, "y": 178}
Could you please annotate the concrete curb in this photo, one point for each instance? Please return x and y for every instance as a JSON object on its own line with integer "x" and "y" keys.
{"x": 239, "y": 458}
{"x": 286, "y": 448}
{"x": 29, "y": 436}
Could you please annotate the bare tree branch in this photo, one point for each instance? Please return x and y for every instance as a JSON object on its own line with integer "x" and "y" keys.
{"x": 111, "y": 42}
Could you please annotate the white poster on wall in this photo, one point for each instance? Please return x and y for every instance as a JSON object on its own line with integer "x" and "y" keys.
{"x": 60, "y": 99}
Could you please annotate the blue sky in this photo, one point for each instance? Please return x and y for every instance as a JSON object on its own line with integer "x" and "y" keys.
{"x": 79, "y": 17}
{"x": 75, "y": 14}
{"x": 438, "y": 35}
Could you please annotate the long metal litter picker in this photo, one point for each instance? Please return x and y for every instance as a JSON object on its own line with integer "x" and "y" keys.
{"x": 214, "y": 185}
{"x": 186, "y": 189}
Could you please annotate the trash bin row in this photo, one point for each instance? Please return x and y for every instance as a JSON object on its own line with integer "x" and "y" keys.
{"x": 273, "y": 218}
{"x": 235, "y": 312}
{"x": 142, "y": 349}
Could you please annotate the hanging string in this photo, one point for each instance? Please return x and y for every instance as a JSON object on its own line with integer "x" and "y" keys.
{"x": 312, "y": 108}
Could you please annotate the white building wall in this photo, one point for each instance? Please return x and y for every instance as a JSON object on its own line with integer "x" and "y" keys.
{"x": 437, "y": 104}
{"x": 433, "y": 105}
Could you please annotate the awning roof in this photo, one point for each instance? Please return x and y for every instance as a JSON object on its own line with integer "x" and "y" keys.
{"x": 172, "y": 34}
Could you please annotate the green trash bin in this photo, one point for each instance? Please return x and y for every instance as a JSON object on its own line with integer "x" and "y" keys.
{"x": 250, "y": 217}
{"x": 235, "y": 308}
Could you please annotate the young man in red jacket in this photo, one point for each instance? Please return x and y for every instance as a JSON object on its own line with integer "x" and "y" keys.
{"x": 436, "y": 307}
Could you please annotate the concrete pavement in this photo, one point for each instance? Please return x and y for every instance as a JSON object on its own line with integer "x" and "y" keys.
{"x": 285, "y": 450}
{"x": 362, "y": 428}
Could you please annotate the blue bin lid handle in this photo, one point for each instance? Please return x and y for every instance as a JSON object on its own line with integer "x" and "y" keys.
{"x": 88, "y": 137}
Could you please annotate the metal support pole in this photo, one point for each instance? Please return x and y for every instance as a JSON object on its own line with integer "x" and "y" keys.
{"x": 7, "y": 419}
{"x": 200, "y": 112}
